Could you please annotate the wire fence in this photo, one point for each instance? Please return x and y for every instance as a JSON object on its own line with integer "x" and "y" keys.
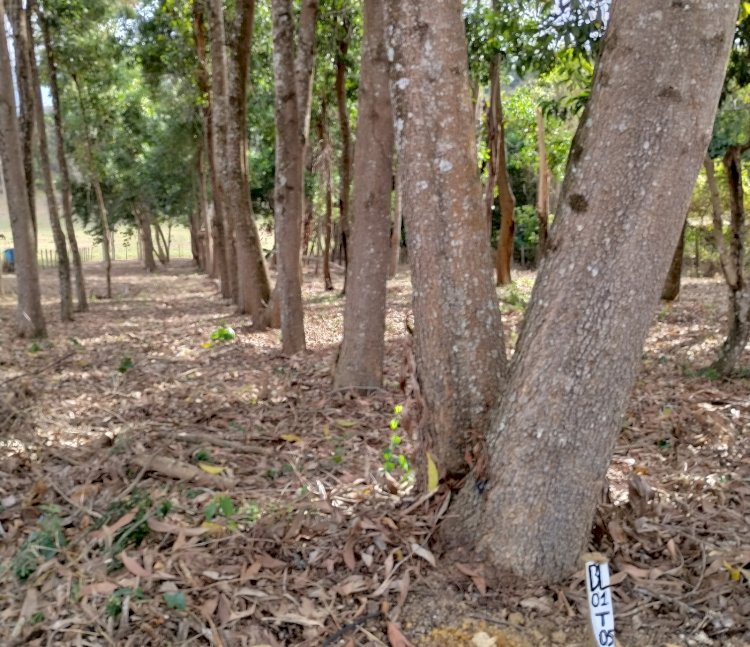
{"x": 48, "y": 258}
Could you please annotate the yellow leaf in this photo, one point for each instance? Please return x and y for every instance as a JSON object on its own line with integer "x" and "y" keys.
{"x": 207, "y": 344}
{"x": 214, "y": 528}
{"x": 433, "y": 478}
{"x": 734, "y": 573}
{"x": 345, "y": 422}
{"x": 290, "y": 438}
{"x": 211, "y": 469}
{"x": 326, "y": 431}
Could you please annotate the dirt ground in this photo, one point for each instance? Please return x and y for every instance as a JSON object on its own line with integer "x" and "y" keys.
{"x": 158, "y": 487}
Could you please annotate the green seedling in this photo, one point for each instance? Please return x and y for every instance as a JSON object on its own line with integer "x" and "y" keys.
{"x": 41, "y": 545}
{"x": 126, "y": 363}
{"x": 114, "y": 603}
{"x": 392, "y": 459}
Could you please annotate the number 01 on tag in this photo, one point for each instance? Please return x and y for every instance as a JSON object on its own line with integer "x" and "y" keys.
{"x": 601, "y": 611}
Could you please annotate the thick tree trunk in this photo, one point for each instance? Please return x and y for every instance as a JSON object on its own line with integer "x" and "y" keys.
{"x": 594, "y": 298}
{"x": 504, "y": 255}
{"x": 325, "y": 153}
{"x": 62, "y": 163}
{"x": 738, "y": 314}
{"x": 30, "y": 318}
{"x": 26, "y": 119}
{"x": 345, "y": 165}
{"x": 143, "y": 218}
{"x": 63, "y": 262}
{"x": 289, "y": 186}
{"x": 254, "y": 283}
{"x": 458, "y": 334}
{"x": 673, "y": 282}
{"x": 360, "y": 359}
{"x": 542, "y": 191}
{"x": 396, "y": 230}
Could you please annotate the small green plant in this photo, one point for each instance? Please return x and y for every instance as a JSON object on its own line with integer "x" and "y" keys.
{"x": 126, "y": 363}
{"x": 202, "y": 456}
{"x": 221, "y": 334}
{"x": 114, "y": 603}
{"x": 35, "y": 348}
{"x": 176, "y": 600}
{"x": 515, "y": 299}
{"x": 41, "y": 545}
{"x": 222, "y": 505}
{"x": 392, "y": 459}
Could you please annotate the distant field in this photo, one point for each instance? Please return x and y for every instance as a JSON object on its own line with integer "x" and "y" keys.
{"x": 125, "y": 247}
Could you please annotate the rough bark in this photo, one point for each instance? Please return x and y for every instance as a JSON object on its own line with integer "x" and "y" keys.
{"x": 542, "y": 191}
{"x": 360, "y": 359}
{"x": 396, "y": 230}
{"x": 345, "y": 161}
{"x": 63, "y": 261}
{"x": 62, "y": 163}
{"x": 594, "y": 298}
{"x": 458, "y": 334}
{"x": 143, "y": 219}
{"x": 30, "y": 318}
{"x": 289, "y": 185}
{"x": 26, "y": 119}
{"x": 671, "y": 289}
{"x": 254, "y": 284}
{"x": 733, "y": 258}
{"x": 504, "y": 255}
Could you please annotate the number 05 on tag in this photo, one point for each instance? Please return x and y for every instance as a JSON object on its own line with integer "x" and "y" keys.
{"x": 601, "y": 612}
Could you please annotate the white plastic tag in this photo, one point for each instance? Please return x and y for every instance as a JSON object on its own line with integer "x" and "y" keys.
{"x": 601, "y": 611}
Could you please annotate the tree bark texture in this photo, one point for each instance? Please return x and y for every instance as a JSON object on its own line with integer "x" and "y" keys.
{"x": 345, "y": 166}
{"x": 63, "y": 261}
{"x": 143, "y": 219}
{"x": 738, "y": 312}
{"x": 62, "y": 163}
{"x": 254, "y": 288}
{"x": 360, "y": 360}
{"x": 26, "y": 120}
{"x": 504, "y": 254}
{"x": 542, "y": 191}
{"x": 289, "y": 184}
{"x": 458, "y": 334}
{"x": 621, "y": 210}
{"x": 671, "y": 289}
{"x": 30, "y": 318}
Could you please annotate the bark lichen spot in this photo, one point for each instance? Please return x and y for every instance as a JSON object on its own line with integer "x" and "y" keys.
{"x": 578, "y": 202}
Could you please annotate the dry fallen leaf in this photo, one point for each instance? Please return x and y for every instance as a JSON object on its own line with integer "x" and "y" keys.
{"x": 396, "y": 638}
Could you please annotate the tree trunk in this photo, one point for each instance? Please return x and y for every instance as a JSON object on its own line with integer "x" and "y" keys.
{"x": 593, "y": 301}
{"x": 63, "y": 262}
{"x": 504, "y": 255}
{"x": 457, "y": 333}
{"x": 200, "y": 224}
{"x": 345, "y": 168}
{"x": 738, "y": 314}
{"x": 325, "y": 154}
{"x": 22, "y": 46}
{"x": 254, "y": 283}
{"x": 94, "y": 173}
{"x": 143, "y": 218}
{"x": 360, "y": 359}
{"x": 725, "y": 259}
{"x": 542, "y": 191}
{"x": 30, "y": 318}
{"x": 162, "y": 245}
{"x": 62, "y": 162}
{"x": 493, "y": 141}
{"x": 672, "y": 284}
{"x": 396, "y": 231}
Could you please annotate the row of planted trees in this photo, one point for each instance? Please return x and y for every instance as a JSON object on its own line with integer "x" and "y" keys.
{"x": 486, "y": 424}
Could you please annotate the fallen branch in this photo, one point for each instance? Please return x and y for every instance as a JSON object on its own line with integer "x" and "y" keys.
{"x": 182, "y": 471}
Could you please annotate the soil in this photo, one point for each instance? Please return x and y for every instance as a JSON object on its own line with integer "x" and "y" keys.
{"x": 160, "y": 487}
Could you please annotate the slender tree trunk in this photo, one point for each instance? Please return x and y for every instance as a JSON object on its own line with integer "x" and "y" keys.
{"x": 30, "y": 318}
{"x": 345, "y": 168}
{"x": 592, "y": 304}
{"x": 504, "y": 255}
{"x": 739, "y": 290}
{"x": 673, "y": 282}
{"x": 396, "y": 231}
{"x": 93, "y": 172}
{"x": 327, "y": 183}
{"x": 199, "y": 222}
{"x": 162, "y": 244}
{"x": 254, "y": 283}
{"x": 542, "y": 191}
{"x": 62, "y": 163}
{"x": 63, "y": 263}
{"x": 143, "y": 218}
{"x": 360, "y": 359}
{"x": 725, "y": 258}
{"x": 457, "y": 332}
{"x": 21, "y": 36}
{"x": 493, "y": 141}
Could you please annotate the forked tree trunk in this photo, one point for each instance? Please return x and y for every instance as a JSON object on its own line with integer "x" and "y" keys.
{"x": 62, "y": 163}
{"x": 593, "y": 302}
{"x": 360, "y": 359}
{"x": 396, "y": 230}
{"x": 504, "y": 254}
{"x": 542, "y": 191}
{"x": 162, "y": 245}
{"x": 457, "y": 330}
{"x": 673, "y": 282}
{"x": 30, "y": 318}
{"x": 738, "y": 314}
{"x": 63, "y": 262}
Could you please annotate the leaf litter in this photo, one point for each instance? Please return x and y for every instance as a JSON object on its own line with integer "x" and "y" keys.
{"x": 163, "y": 482}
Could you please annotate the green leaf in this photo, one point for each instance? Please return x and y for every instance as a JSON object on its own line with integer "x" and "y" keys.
{"x": 226, "y": 505}
{"x": 176, "y": 600}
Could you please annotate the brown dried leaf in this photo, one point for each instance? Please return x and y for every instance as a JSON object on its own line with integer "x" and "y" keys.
{"x": 396, "y": 638}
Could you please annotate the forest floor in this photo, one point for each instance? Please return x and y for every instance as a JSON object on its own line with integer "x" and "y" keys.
{"x": 157, "y": 488}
